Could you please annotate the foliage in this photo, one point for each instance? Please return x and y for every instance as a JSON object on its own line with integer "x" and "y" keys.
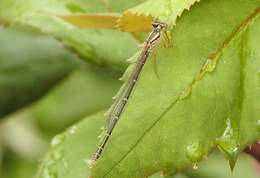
{"x": 17, "y": 64}
{"x": 207, "y": 95}
{"x": 96, "y": 46}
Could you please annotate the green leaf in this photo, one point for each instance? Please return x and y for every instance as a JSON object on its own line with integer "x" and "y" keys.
{"x": 75, "y": 157}
{"x": 164, "y": 10}
{"x": 30, "y": 64}
{"x": 16, "y": 166}
{"x": 96, "y": 46}
{"x": 210, "y": 77}
{"x": 251, "y": 78}
{"x": 85, "y": 91}
{"x": 67, "y": 156}
{"x": 139, "y": 18}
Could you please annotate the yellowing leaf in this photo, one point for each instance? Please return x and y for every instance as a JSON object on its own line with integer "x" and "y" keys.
{"x": 137, "y": 23}
{"x": 90, "y": 21}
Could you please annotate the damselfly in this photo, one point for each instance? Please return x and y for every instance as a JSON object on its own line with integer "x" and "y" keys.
{"x": 116, "y": 109}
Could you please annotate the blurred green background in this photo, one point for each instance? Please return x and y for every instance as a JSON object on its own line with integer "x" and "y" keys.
{"x": 44, "y": 88}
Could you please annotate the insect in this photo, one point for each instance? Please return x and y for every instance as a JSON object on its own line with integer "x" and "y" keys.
{"x": 116, "y": 109}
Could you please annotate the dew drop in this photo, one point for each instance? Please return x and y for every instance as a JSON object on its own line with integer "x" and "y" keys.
{"x": 185, "y": 93}
{"x": 72, "y": 130}
{"x": 194, "y": 152}
{"x": 228, "y": 132}
{"x": 57, "y": 155}
{"x": 195, "y": 166}
{"x": 210, "y": 65}
{"x": 106, "y": 114}
{"x": 57, "y": 140}
{"x": 258, "y": 125}
{"x": 88, "y": 162}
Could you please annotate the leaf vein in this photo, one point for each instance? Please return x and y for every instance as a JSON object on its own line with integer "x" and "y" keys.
{"x": 214, "y": 56}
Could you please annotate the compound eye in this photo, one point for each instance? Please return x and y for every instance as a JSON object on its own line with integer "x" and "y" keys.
{"x": 155, "y": 24}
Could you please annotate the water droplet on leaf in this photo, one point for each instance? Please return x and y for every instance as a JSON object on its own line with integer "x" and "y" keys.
{"x": 194, "y": 152}
{"x": 57, "y": 140}
{"x": 185, "y": 93}
{"x": 72, "y": 130}
{"x": 210, "y": 65}
{"x": 57, "y": 155}
{"x": 195, "y": 166}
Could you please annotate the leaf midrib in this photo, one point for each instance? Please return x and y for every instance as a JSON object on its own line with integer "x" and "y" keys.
{"x": 213, "y": 56}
